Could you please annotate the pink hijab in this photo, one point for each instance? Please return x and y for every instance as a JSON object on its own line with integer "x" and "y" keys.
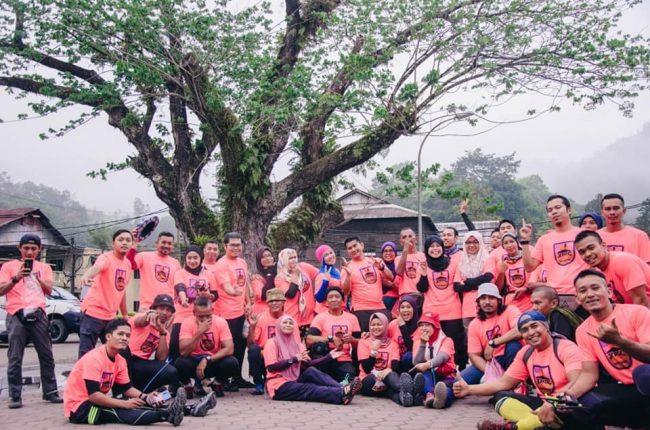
{"x": 287, "y": 347}
{"x": 383, "y": 337}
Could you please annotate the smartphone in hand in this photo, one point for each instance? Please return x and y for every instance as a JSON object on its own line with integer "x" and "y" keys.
{"x": 28, "y": 264}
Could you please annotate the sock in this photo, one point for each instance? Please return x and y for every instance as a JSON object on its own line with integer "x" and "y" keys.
{"x": 518, "y": 412}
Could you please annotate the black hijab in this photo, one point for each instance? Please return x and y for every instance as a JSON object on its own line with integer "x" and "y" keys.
{"x": 436, "y": 264}
{"x": 198, "y": 250}
{"x": 268, "y": 273}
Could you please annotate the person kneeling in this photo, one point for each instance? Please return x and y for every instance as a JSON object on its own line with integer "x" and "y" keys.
{"x": 102, "y": 370}
{"x": 285, "y": 379}
{"x": 561, "y": 373}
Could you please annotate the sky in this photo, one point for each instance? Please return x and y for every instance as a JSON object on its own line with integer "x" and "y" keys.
{"x": 545, "y": 145}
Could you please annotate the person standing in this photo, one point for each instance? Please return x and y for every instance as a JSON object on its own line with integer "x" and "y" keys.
{"x": 107, "y": 279}
{"x": 26, "y": 282}
{"x": 408, "y": 265}
{"x": 617, "y": 235}
{"x": 210, "y": 255}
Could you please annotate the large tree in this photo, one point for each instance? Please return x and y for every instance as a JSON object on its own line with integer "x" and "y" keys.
{"x": 189, "y": 82}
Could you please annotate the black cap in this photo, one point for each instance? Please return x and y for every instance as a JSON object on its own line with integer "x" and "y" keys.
{"x": 30, "y": 238}
{"x": 164, "y": 300}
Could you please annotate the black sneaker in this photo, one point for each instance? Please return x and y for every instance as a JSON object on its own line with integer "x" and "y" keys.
{"x": 176, "y": 409}
{"x": 201, "y": 408}
{"x": 418, "y": 389}
{"x": 52, "y": 398}
{"x": 217, "y": 389}
{"x": 242, "y": 383}
{"x": 406, "y": 389}
{"x": 231, "y": 386}
{"x": 15, "y": 403}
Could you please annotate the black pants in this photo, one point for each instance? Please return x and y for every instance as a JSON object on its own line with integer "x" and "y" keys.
{"x": 338, "y": 370}
{"x": 19, "y": 334}
{"x": 90, "y": 330}
{"x": 364, "y": 317}
{"x": 311, "y": 386}
{"x": 148, "y": 375}
{"x": 227, "y": 367}
{"x": 87, "y": 413}
{"x": 256, "y": 366}
{"x": 392, "y": 387}
{"x": 621, "y": 405}
{"x": 174, "y": 351}
{"x": 236, "y": 326}
{"x": 456, "y": 331}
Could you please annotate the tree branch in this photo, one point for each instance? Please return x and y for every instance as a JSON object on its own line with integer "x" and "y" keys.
{"x": 51, "y": 90}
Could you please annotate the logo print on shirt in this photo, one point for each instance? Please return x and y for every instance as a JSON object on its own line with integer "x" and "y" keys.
{"x": 106, "y": 382}
{"x": 441, "y": 279}
{"x": 618, "y": 358}
{"x": 564, "y": 252}
{"x": 493, "y": 333}
{"x": 162, "y": 273}
{"x": 619, "y": 248}
{"x": 543, "y": 379}
{"x": 120, "y": 279}
{"x": 270, "y": 332}
{"x": 207, "y": 341}
{"x": 517, "y": 277}
{"x": 368, "y": 274}
{"x": 339, "y": 330}
{"x": 241, "y": 277}
{"x": 381, "y": 361}
{"x": 412, "y": 269}
{"x": 150, "y": 344}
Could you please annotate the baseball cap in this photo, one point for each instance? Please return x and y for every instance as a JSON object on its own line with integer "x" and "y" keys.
{"x": 30, "y": 238}
{"x": 529, "y": 316}
{"x": 430, "y": 318}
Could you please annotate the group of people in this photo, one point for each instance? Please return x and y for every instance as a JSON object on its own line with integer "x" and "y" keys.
{"x": 557, "y": 333}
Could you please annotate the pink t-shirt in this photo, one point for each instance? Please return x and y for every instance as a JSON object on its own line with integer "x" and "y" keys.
{"x": 517, "y": 277}
{"x": 235, "y": 272}
{"x": 365, "y": 285}
{"x": 195, "y": 285}
{"x": 558, "y": 253}
{"x": 210, "y": 342}
{"x": 108, "y": 288}
{"x": 259, "y": 305}
{"x": 411, "y": 274}
{"x": 93, "y": 366}
{"x": 385, "y": 355}
{"x": 625, "y": 272}
{"x": 480, "y": 332}
{"x": 633, "y": 322}
{"x": 441, "y": 298}
{"x": 265, "y": 329}
{"x": 156, "y": 276}
{"x": 549, "y": 375}
{"x": 332, "y": 325}
{"x": 145, "y": 340}
{"x": 292, "y": 305}
{"x": 628, "y": 239}
{"x": 26, "y": 293}
{"x": 395, "y": 334}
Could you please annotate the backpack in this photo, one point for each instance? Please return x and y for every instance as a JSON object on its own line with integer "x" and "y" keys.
{"x": 556, "y": 342}
{"x": 574, "y": 319}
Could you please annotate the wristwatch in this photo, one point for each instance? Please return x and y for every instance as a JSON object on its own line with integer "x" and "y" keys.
{"x": 492, "y": 343}
{"x": 330, "y": 338}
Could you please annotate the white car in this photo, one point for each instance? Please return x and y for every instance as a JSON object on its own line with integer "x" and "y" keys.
{"x": 62, "y": 310}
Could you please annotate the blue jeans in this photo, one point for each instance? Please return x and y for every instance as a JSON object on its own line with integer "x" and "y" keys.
{"x": 473, "y": 376}
{"x": 430, "y": 381}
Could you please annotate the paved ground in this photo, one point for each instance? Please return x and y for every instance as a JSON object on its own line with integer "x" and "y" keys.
{"x": 244, "y": 411}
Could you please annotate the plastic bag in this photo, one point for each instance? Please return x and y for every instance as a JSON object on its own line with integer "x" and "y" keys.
{"x": 493, "y": 371}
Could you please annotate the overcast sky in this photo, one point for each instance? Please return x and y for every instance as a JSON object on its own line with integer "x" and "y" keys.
{"x": 544, "y": 144}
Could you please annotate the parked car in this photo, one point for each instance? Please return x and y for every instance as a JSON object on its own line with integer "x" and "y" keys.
{"x": 62, "y": 310}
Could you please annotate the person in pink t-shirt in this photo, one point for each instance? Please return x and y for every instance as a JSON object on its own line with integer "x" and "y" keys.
{"x": 107, "y": 279}
{"x": 618, "y": 337}
{"x": 156, "y": 269}
{"x": 627, "y": 275}
{"x": 328, "y": 276}
{"x": 388, "y": 253}
{"x": 556, "y": 248}
{"x": 511, "y": 274}
{"x": 617, "y": 235}
{"x": 264, "y": 279}
{"x": 408, "y": 265}
{"x": 25, "y": 283}
{"x": 297, "y": 287}
{"x": 211, "y": 255}
{"x": 474, "y": 269}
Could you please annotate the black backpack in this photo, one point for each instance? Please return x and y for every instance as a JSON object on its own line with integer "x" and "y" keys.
{"x": 556, "y": 342}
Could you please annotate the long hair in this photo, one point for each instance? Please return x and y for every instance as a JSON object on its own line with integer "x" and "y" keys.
{"x": 501, "y": 308}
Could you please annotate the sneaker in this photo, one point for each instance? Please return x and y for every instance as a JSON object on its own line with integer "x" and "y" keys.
{"x": 53, "y": 398}
{"x": 242, "y": 383}
{"x": 231, "y": 386}
{"x": 217, "y": 389}
{"x": 418, "y": 389}
{"x": 490, "y": 424}
{"x": 406, "y": 389}
{"x": 351, "y": 390}
{"x": 440, "y": 392}
{"x": 201, "y": 408}
{"x": 428, "y": 401}
{"x": 199, "y": 391}
{"x": 15, "y": 403}
{"x": 189, "y": 391}
{"x": 176, "y": 409}
{"x": 259, "y": 390}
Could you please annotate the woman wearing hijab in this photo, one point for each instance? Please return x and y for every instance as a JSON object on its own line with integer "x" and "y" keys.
{"x": 264, "y": 279}
{"x": 474, "y": 269}
{"x": 433, "y": 359}
{"x": 388, "y": 252}
{"x": 297, "y": 289}
{"x": 328, "y": 276}
{"x": 437, "y": 286}
{"x": 511, "y": 273}
{"x": 190, "y": 282}
{"x": 379, "y": 361}
{"x": 285, "y": 380}
{"x": 591, "y": 221}
{"x": 402, "y": 329}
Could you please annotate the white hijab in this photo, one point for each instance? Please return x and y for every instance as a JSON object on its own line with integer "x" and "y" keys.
{"x": 471, "y": 266}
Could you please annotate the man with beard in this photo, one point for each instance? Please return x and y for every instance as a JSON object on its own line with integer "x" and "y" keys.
{"x": 156, "y": 268}
{"x": 617, "y": 235}
{"x": 103, "y": 371}
{"x": 556, "y": 366}
{"x": 555, "y": 249}
{"x": 107, "y": 279}
{"x": 627, "y": 275}
{"x": 618, "y": 337}
{"x": 206, "y": 346}
{"x": 408, "y": 265}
